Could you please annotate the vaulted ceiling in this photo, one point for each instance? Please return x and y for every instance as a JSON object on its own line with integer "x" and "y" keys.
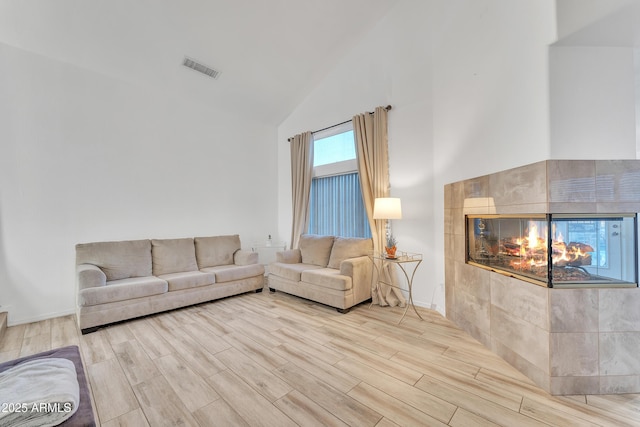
{"x": 270, "y": 53}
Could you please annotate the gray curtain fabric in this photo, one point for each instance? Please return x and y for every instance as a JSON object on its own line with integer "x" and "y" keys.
{"x": 301, "y": 175}
{"x": 370, "y": 131}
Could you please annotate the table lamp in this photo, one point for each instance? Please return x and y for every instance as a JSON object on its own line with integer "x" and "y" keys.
{"x": 387, "y": 208}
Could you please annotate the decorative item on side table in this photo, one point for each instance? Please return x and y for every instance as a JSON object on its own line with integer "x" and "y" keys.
{"x": 390, "y": 249}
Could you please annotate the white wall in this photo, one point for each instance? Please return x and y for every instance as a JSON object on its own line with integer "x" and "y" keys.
{"x": 468, "y": 82}
{"x": 491, "y": 86}
{"x": 593, "y": 102}
{"x": 576, "y": 15}
{"x": 86, "y": 157}
{"x": 593, "y": 69}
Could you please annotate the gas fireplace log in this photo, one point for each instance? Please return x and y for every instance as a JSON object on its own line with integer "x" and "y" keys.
{"x": 573, "y": 262}
{"x": 512, "y": 249}
{"x": 579, "y": 247}
{"x": 583, "y": 260}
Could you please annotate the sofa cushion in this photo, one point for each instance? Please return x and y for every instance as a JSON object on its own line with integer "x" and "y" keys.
{"x": 348, "y": 247}
{"x": 173, "y": 256}
{"x": 290, "y": 271}
{"x": 227, "y": 273}
{"x": 327, "y": 278}
{"x": 315, "y": 249}
{"x": 188, "y": 279}
{"x": 216, "y": 250}
{"x": 118, "y": 260}
{"x": 121, "y": 290}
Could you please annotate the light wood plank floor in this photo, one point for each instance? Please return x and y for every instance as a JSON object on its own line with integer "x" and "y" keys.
{"x": 276, "y": 360}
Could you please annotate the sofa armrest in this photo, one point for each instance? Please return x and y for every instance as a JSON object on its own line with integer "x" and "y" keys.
{"x": 359, "y": 269}
{"x": 291, "y": 256}
{"x": 353, "y": 267}
{"x": 90, "y": 276}
{"x": 242, "y": 257}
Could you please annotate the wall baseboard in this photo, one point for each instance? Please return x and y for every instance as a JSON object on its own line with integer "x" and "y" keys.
{"x": 15, "y": 322}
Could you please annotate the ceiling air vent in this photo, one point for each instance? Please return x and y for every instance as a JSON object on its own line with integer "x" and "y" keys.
{"x": 201, "y": 68}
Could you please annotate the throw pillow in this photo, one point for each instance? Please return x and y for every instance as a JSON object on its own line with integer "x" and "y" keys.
{"x": 348, "y": 247}
{"x": 315, "y": 249}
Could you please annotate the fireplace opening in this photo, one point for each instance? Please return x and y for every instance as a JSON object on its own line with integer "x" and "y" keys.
{"x": 556, "y": 250}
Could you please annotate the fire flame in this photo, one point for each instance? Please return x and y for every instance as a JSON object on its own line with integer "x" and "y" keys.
{"x": 533, "y": 234}
{"x": 532, "y": 250}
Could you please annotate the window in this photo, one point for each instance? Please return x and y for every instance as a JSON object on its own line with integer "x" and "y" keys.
{"x": 336, "y": 206}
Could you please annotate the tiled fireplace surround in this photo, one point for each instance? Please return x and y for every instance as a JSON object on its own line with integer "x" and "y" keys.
{"x": 568, "y": 341}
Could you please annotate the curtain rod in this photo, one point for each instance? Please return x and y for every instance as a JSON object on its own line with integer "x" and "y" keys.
{"x": 388, "y": 107}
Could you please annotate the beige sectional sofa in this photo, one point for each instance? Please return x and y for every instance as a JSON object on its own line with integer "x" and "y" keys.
{"x": 335, "y": 271}
{"x": 127, "y": 279}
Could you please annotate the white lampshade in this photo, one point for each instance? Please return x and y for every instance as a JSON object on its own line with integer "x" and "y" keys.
{"x": 387, "y": 208}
